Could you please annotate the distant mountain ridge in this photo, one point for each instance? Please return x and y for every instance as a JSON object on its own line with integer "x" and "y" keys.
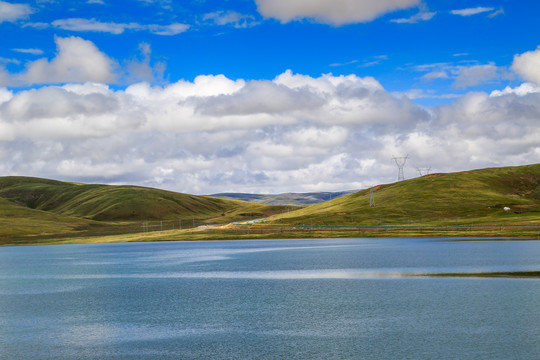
{"x": 293, "y": 199}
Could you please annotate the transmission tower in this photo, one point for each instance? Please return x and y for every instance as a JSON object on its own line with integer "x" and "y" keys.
{"x": 400, "y": 162}
{"x": 371, "y": 195}
{"x": 371, "y": 198}
{"x": 423, "y": 171}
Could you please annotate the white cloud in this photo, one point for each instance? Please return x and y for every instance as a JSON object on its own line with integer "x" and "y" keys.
{"x": 476, "y": 74}
{"x": 230, "y": 18}
{"x": 464, "y": 76}
{"x": 167, "y": 30}
{"x": 423, "y": 94}
{"x": 142, "y": 69}
{"x": 29, "y": 51}
{"x": 13, "y": 12}
{"x": 527, "y": 65}
{"x": 522, "y": 90}
{"x": 496, "y": 13}
{"x": 436, "y": 74}
{"x": 336, "y": 12}
{"x": 36, "y": 25}
{"x": 5, "y": 95}
{"x": 214, "y": 132}
{"x": 422, "y": 15}
{"x": 471, "y": 11}
{"x": 78, "y": 24}
{"x": 77, "y": 60}
{"x": 292, "y": 133}
{"x": 93, "y": 25}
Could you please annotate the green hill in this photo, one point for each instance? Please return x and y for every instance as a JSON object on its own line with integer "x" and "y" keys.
{"x": 17, "y": 221}
{"x": 478, "y": 196}
{"x": 36, "y": 210}
{"x": 33, "y": 206}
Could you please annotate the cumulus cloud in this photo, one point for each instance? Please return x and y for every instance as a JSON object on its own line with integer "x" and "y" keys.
{"x": 211, "y": 134}
{"x": 527, "y": 65}
{"x": 521, "y": 90}
{"x": 260, "y": 97}
{"x": 12, "y": 12}
{"x": 77, "y": 60}
{"x": 335, "y": 12}
{"x": 293, "y": 133}
{"x": 492, "y": 128}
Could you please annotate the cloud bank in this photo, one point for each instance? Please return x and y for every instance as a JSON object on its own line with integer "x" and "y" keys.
{"x": 292, "y": 133}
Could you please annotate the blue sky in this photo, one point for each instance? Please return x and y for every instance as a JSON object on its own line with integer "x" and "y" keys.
{"x": 265, "y": 95}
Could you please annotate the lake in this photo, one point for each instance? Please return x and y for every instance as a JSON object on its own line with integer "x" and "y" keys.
{"x": 270, "y": 299}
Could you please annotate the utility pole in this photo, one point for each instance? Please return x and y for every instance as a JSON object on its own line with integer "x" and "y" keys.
{"x": 371, "y": 198}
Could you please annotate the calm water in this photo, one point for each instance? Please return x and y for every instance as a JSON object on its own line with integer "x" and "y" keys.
{"x": 286, "y": 299}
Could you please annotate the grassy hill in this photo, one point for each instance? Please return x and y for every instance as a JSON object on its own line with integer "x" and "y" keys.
{"x": 46, "y": 211}
{"x": 17, "y": 221}
{"x": 295, "y": 199}
{"x": 33, "y": 206}
{"x": 478, "y": 196}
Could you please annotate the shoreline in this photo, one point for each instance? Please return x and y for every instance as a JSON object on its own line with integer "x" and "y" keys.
{"x": 214, "y": 234}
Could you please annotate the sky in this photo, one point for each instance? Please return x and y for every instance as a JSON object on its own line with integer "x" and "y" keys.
{"x": 266, "y": 96}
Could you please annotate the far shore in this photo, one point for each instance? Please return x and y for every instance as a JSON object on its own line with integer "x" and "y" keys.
{"x": 249, "y": 233}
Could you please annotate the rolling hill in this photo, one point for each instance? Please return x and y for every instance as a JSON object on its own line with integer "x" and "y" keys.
{"x": 478, "y": 196}
{"x": 32, "y": 209}
{"x": 34, "y": 206}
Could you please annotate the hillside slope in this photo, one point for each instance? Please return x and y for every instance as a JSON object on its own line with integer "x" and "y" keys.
{"x": 479, "y": 196}
{"x": 31, "y": 206}
{"x": 16, "y": 220}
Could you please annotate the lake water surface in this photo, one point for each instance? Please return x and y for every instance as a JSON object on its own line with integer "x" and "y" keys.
{"x": 275, "y": 299}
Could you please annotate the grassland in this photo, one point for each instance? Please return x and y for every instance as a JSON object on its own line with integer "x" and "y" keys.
{"x": 496, "y": 202}
{"x": 455, "y": 199}
{"x": 33, "y": 210}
